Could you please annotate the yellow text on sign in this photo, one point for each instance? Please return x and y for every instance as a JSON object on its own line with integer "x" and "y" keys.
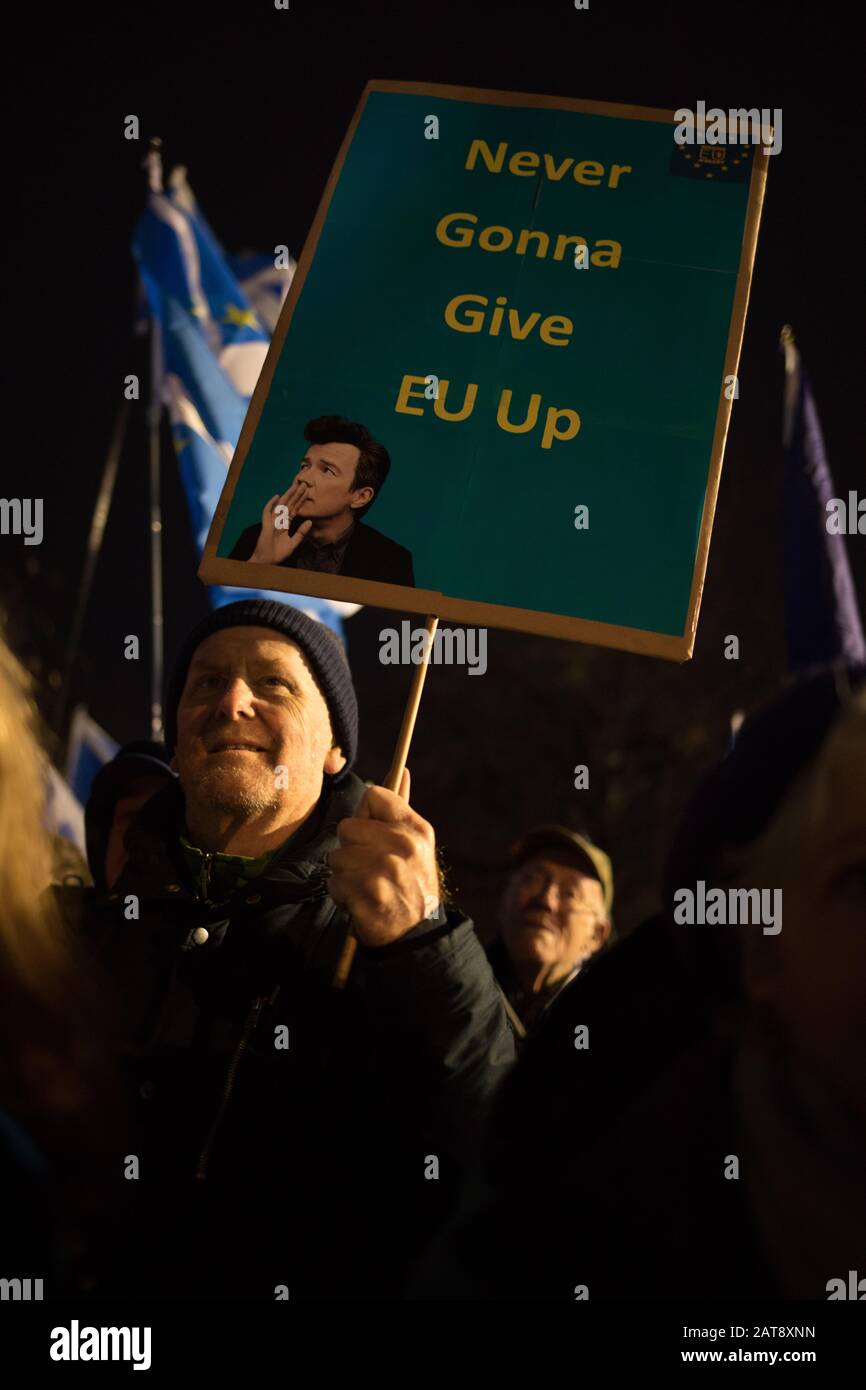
{"x": 465, "y": 320}
{"x": 559, "y": 424}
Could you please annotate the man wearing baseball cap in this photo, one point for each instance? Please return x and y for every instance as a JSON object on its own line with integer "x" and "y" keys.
{"x": 708, "y": 1139}
{"x": 117, "y": 794}
{"x": 554, "y": 915}
{"x": 291, "y": 1140}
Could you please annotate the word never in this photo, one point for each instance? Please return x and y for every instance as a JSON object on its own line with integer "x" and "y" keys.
{"x": 465, "y": 647}
{"x": 720, "y": 908}
{"x": 524, "y": 163}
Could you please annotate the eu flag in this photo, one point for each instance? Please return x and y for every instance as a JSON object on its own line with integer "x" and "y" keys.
{"x": 213, "y": 348}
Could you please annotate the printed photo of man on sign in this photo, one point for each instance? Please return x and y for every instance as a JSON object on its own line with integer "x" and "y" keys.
{"x": 316, "y": 523}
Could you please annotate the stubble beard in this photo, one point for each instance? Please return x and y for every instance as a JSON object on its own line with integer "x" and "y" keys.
{"x": 217, "y": 790}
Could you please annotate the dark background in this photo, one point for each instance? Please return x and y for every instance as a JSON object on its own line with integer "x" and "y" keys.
{"x": 255, "y": 102}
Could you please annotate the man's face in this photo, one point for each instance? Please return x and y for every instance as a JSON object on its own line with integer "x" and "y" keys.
{"x": 250, "y": 706}
{"x": 553, "y": 913}
{"x": 329, "y": 473}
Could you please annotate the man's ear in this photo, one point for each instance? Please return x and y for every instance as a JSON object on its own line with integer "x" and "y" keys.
{"x": 361, "y": 497}
{"x": 601, "y": 932}
{"x": 334, "y": 761}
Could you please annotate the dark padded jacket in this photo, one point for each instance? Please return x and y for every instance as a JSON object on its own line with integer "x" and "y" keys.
{"x": 603, "y": 1164}
{"x": 286, "y": 1134}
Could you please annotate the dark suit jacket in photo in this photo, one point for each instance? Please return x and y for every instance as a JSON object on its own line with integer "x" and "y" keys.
{"x": 368, "y": 555}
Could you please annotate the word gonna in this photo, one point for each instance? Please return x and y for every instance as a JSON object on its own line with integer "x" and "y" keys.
{"x": 451, "y": 230}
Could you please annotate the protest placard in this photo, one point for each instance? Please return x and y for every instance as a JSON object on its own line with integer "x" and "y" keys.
{"x": 534, "y": 306}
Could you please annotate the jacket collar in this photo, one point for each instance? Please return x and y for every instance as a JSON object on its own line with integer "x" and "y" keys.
{"x": 156, "y": 868}
{"x": 529, "y": 1006}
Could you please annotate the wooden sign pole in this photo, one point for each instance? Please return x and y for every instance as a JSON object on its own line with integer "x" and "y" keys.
{"x": 395, "y": 775}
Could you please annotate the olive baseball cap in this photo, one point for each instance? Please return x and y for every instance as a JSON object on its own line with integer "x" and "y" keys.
{"x": 577, "y": 846}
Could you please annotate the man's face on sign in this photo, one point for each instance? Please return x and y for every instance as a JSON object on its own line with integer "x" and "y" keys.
{"x": 328, "y": 472}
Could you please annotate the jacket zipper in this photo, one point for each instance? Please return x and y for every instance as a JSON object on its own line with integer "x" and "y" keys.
{"x": 204, "y": 875}
{"x": 248, "y": 1030}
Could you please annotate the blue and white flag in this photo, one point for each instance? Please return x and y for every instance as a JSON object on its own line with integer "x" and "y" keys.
{"x": 264, "y": 283}
{"x": 90, "y": 748}
{"x": 62, "y": 812}
{"x": 213, "y": 349}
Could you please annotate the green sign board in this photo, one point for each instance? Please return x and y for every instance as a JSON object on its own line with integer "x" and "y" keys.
{"x": 536, "y": 305}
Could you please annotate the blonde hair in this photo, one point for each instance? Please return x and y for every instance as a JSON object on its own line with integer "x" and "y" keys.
{"x": 48, "y": 1048}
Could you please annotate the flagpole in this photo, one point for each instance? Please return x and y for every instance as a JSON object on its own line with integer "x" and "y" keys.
{"x": 101, "y": 510}
{"x": 792, "y": 381}
{"x": 153, "y": 164}
{"x": 789, "y": 347}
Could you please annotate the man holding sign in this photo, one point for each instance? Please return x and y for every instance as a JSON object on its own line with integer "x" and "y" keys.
{"x": 289, "y": 1139}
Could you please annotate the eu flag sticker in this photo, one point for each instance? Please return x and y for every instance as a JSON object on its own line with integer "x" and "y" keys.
{"x": 723, "y": 163}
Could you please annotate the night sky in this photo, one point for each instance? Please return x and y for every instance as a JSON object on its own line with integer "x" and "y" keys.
{"x": 255, "y": 101}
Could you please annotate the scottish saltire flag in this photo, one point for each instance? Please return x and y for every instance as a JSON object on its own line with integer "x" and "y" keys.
{"x": 213, "y": 348}
{"x": 822, "y": 618}
{"x": 90, "y": 748}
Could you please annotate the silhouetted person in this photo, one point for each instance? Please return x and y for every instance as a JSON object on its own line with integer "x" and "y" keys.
{"x": 56, "y": 1083}
{"x": 706, "y": 1139}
